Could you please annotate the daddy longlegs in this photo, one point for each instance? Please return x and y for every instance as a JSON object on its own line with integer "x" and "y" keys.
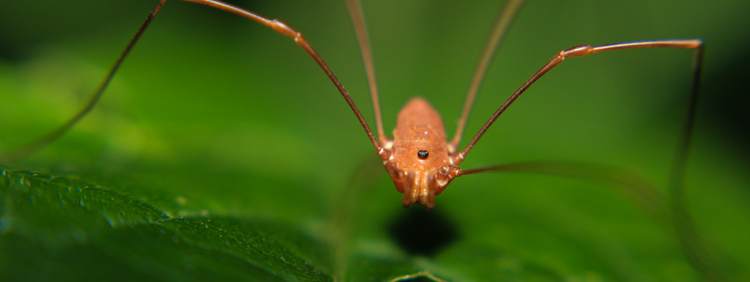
{"x": 420, "y": 159}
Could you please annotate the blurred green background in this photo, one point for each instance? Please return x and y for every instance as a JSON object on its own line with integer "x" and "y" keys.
{"x": 215, "y": 115}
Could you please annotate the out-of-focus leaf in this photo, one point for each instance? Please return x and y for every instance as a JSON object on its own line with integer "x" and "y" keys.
{"x": 85, "y": 232}
{"x": 216, "y": 122}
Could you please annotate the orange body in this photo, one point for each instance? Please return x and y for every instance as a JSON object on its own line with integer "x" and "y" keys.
{"x": 420, "y": 162}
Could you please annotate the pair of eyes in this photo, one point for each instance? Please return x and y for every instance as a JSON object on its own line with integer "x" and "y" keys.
{"x": 423, "y": 154}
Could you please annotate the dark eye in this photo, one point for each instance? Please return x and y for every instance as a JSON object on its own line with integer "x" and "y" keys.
{"x": 422, "y": 154}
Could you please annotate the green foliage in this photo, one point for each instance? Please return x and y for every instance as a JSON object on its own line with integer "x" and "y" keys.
{"x": 58, "y": 228}
{"x": 221, "y": 152}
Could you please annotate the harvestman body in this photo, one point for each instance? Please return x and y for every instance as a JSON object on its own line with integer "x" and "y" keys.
{"x": 419, "y": 159}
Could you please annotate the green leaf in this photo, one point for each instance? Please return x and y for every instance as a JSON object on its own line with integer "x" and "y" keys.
{"x": 219, "y": 137}
{"x": 73, "y": 228}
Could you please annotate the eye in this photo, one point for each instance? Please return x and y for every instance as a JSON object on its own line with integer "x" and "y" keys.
{"x": 422, "y": 154}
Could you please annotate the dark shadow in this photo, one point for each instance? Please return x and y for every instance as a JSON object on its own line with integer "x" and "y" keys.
{"x": 419, "y": 232}
{"x": 724, "y": 101}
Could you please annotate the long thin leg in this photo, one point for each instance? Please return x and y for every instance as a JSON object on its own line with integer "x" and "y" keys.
{"x": 276, "y": 25}
{"x": 38, "y": 144}
{"x": 360, "y": 29}
{"x": 287, "y": 30}
{"x": 690, "y": 241}
{"x": 504, "y": 20}
{"x": 584, "y": 50}
{"x": 641, "y": 191}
